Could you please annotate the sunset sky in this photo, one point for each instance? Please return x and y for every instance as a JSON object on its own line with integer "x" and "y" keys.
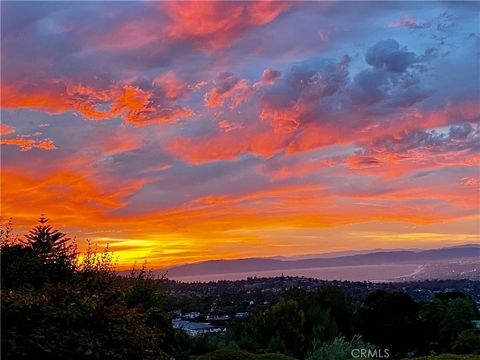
{"x": 187, "y": 131}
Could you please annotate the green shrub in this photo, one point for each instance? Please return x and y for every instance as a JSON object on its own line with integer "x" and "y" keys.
{"x": 57, "y": 307}
{"x": 338, "y": 349}
{"x": 235, "y": 354}
{"x": 447, "y": 357}
{"x": 68, "y": 322}
{"x": 468, "y": 342}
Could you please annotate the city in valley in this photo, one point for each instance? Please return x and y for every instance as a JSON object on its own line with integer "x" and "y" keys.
{"x": 210, "y": 307}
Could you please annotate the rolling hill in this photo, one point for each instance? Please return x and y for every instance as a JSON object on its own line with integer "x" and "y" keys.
{"x": 471, "y": 251}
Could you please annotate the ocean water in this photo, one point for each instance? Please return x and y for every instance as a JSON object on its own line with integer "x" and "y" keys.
{"x": 376, "y": 273}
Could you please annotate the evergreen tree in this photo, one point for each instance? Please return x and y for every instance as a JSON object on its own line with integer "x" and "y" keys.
{"x": 390, "y": 320}
{"x": 51, "y": 245}
{"x": 54, "y": 249}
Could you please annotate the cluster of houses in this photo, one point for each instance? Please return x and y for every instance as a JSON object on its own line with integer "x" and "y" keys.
{"x": 194, "y": 324}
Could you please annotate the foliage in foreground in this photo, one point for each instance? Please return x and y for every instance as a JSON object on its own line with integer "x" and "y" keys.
{"x": 57, "y": 307}
{"x": 62, "y": 322}
{"x": 236, "y": 354}
{"x": 317, "y": 324}
{"x": 338, "y": 349}
{"x": 447, "y": 357}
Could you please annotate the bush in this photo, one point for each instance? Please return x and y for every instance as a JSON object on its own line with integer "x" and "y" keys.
{"x": 235, "y": 354}
{"x": 468, "y": 342}
{"x": 21, "y": 267}
{"x": 447, "y": 357}
{"x": 68, "y": 322}
{"x": 142, "y": 289}
{"x": 56, "y": 306}
{"x": 398, "y": 329}
{"x": 338, "y": 349}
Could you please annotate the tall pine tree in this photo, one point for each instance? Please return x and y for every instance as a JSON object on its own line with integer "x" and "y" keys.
{"x": 51, "y": 245}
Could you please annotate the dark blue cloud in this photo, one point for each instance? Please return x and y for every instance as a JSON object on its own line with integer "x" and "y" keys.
{"x": 388, "y": 55}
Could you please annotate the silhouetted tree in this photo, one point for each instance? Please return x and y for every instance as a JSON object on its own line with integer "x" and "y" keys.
{"x": 444, "y": 318}
{"x": 280, "y": 329}
{"x": 389, "y": 320}
{"x": 468, "y": 342}
{"x": 51, "y": 245}
{"x": 7, "y": 236}
{"x": 458, "y": 317}
{"x": 431, "y": 315}
{"x": 143, "y": 290}
{"x": 329, "y": 313}
{"x": 20, "y": 265}
{"x": 54, "y": 249}
{"x": 286, "y": 320}
{"x": 250, "y": 333}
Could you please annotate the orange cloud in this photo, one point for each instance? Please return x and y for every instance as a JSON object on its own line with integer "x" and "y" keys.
{"x": 63, "y": 195}
{"x": 228, "y": 126}
{"x": 228, "y": 145}
{"x": 395, "y": 165}
{"x": 230, "y": 89}
{"x": 26, "y": 144}
{"x": 261, "y": 138}
{"x": 216, "y": 24}
{"x": 462, "y": 197}
{"x": 132, "y": 103}
{"x": 296, "y": 129}
{"x": 112, "y": 141}
{"x": 208, "y": 227}
{"x": 6, "y": 129}
{"x": 274, "y": 193}
{"x": 50, "y": 97}
{"x": 466, "y": 111}
{"x": 283, "y": 120}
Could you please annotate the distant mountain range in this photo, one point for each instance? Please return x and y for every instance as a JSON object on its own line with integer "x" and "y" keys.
{"x": 469, "y": 251}
{"x": 334, "y": 254}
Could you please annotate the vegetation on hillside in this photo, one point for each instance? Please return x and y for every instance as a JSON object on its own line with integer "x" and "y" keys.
{"x": 58, "y": 307}
{"x": 447, "y": 357}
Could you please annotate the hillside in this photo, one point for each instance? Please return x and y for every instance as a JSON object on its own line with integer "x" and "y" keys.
{"x": 471, "y": 251}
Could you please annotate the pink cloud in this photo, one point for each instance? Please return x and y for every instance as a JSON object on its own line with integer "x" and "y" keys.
{"x": 6, "y": 129}
{"x": 471, "y": 181}
{"x": 228, "y": 88}
{"x": 132, "y": 103}
{"x": 26, "y": 144}
{"x": 407, "y": 21}
{"x": 216, "y": 24}
{"x": 172, "y": 86}
{"x": 292, "y": 130}
{"x": 129, "y": 35}
{"x": 228, "y": 126}
{"x": 413, "y": 150}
